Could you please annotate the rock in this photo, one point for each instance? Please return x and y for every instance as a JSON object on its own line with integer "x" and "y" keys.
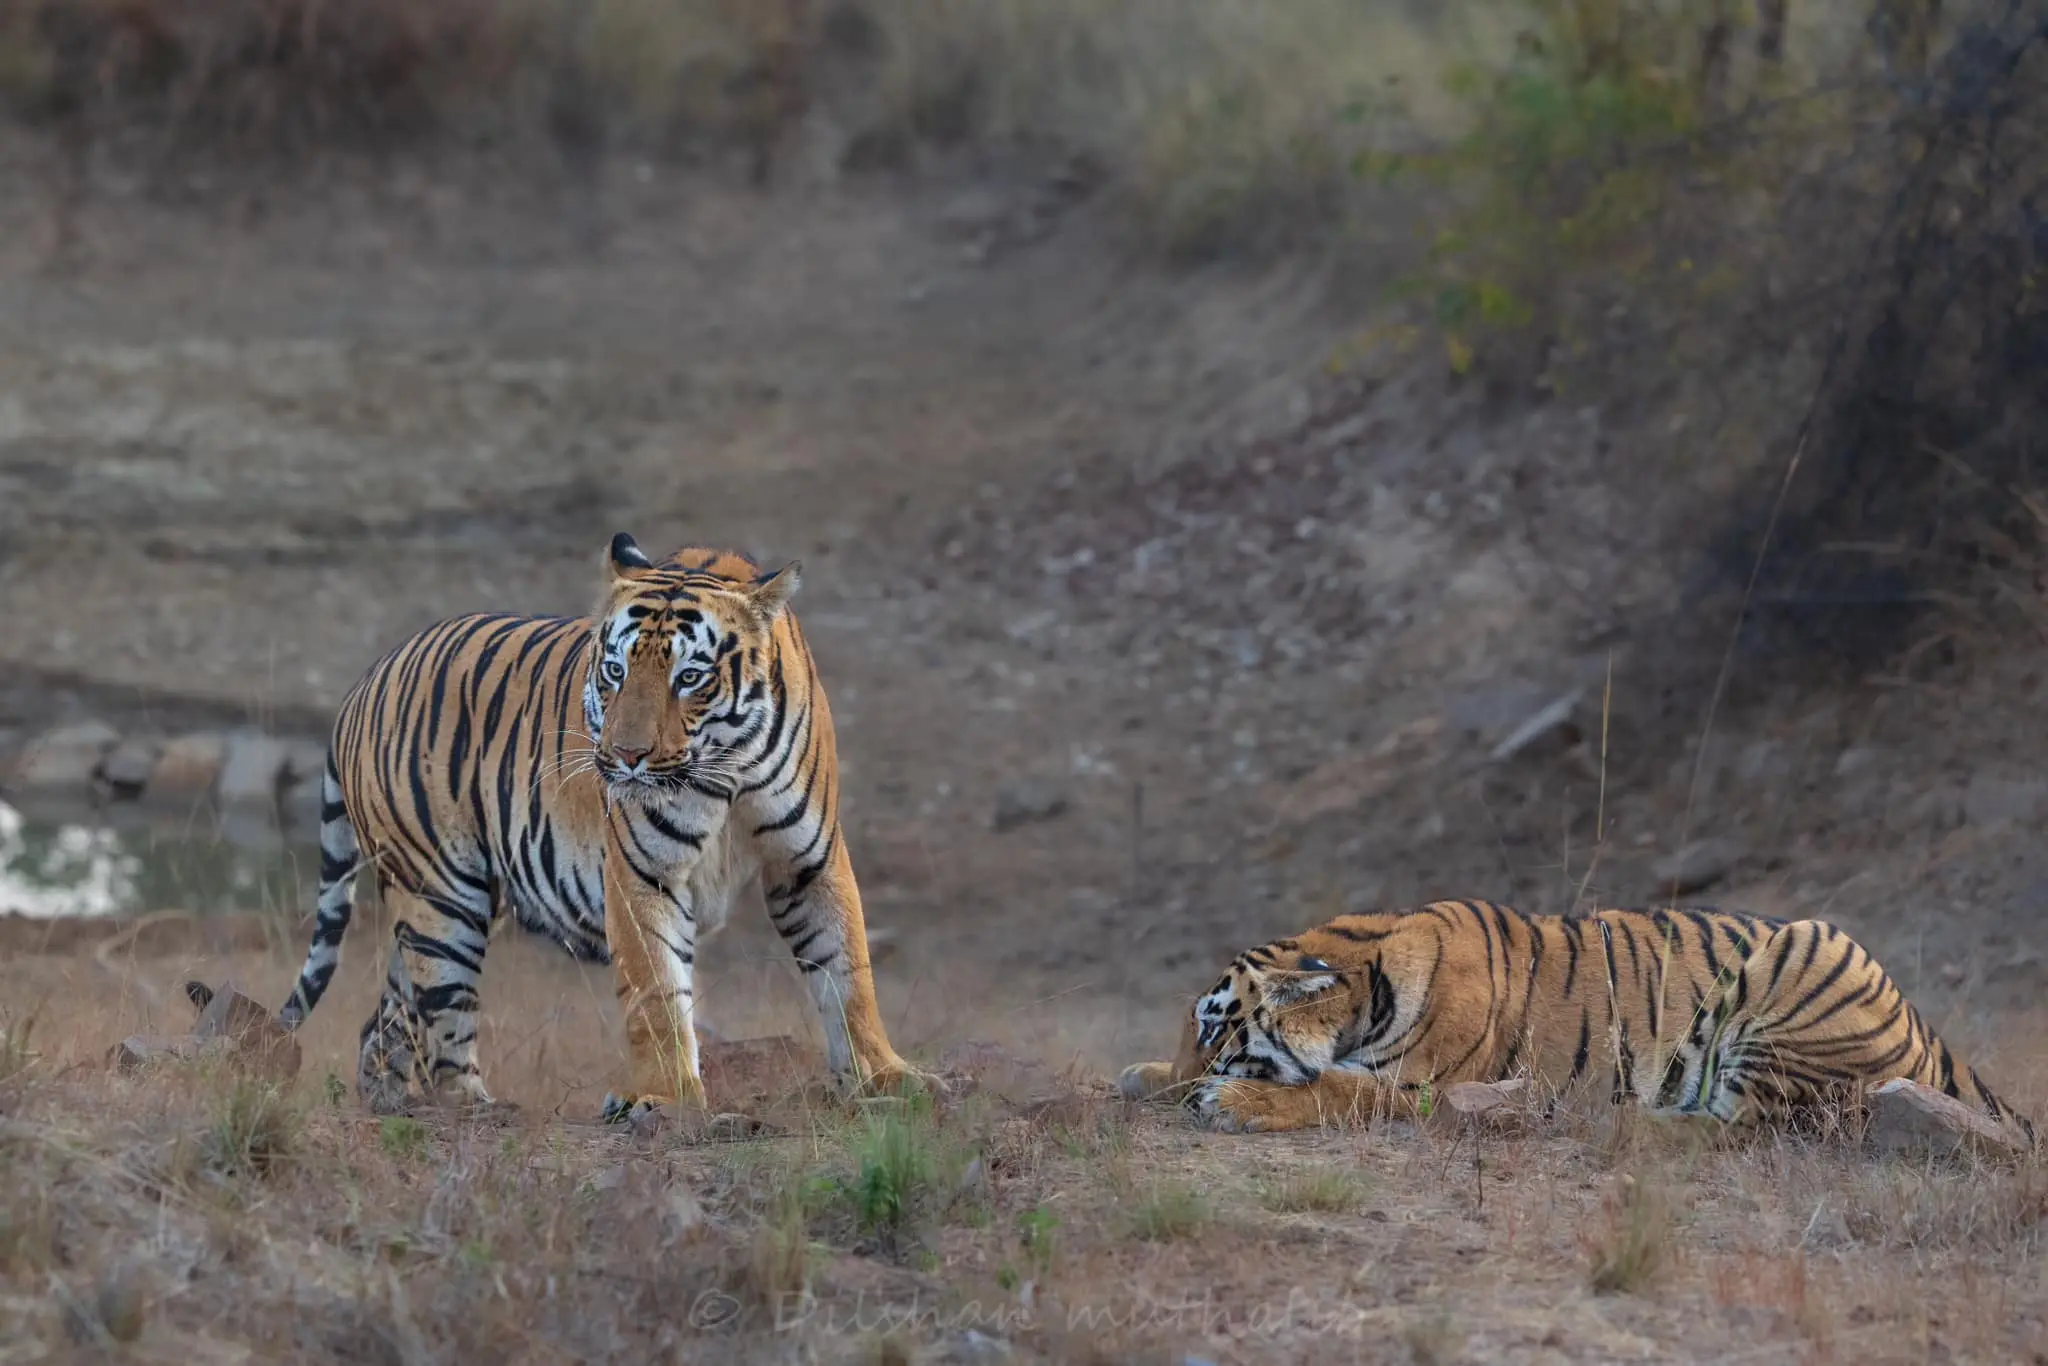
{"x": 140, "y": 1050}
{"x": 1025, "y": 802}
{"x": 974, "y": 213}
{"x": 1488, "y": 713}
{"x": 1489, "y": 1101}
{"x": 127, "y": 766}
{"x": 188, "y": 767}
{"x": 1993, "y": 800}
{"x": 2020, "y": 966}
{"x": 882, "y": 943}
{"x": 971, "y": 1347}
{"x": 253, "y": 1034}
{"x": 1938, "y": 809}
{"x": 1555, "y": 715}
{"x": 1698, "y": 865}
{"x": 298, "y": 811}
{"x": 255, "y": 767}
{"x": 66, "y": 757}
{"x": 1909, "y": 1119}
{"x": 305, "y": 762}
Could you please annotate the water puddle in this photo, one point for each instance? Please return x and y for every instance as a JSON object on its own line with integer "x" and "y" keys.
{"x": 119, "y": 861}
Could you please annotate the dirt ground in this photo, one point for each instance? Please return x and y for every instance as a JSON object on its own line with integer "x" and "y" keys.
{"x": 1066, "y": 522}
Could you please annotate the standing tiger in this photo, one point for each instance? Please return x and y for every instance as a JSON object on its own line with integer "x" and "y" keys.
{"x": 1687, "y": 1011}
{"x": 613, "y": 780}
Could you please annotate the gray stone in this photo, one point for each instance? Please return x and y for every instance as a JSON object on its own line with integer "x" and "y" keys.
{"x": 1554, "y": 715}
{"x": 305, "y": 762}
{"x": 66, "y": 757}
{"x": 128, "y": 765}
{"x": 188, "y": 767}
{"x": 299, "y": 809}
{"x": 974, "y": 213}
{"x": 1938, "y": 809}
{"x": 140, "y": 1050}
{"x": 1475, "y": 1098}
{"x": 1025, "y": 802}
{"x": 252, "y": 1034}
{"x": 1994, "y": 800}
{"x": 254, "y": 769}
{"x": 1488, "y": 713}
{"x": 1909, "y": 1119}
{"x": 1698, "y": 865}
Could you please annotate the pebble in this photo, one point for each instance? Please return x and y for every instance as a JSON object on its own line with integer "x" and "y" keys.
{"x": 1697, "y": 866}
{"x": 1026, "y": 802}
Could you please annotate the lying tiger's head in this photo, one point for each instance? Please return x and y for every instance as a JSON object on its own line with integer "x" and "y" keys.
{"x": 680, "y": 670}
{"x": 1287, "y": 1011}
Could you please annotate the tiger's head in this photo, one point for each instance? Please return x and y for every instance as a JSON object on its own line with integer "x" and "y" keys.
{"x": 1288, "y": 1011}
{"x": 680, "y": 671}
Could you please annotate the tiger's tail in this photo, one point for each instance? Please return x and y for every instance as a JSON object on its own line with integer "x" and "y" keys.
{"x": 340, "y": 855}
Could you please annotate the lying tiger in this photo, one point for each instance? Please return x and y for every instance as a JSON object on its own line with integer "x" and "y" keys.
{"x": 1691, "y": 1012}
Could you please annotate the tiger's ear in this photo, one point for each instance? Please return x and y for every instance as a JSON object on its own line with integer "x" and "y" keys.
{"x": 771, "y": 592}
{"x": 626, "y": 557}
{"x": 1310, "y": 977}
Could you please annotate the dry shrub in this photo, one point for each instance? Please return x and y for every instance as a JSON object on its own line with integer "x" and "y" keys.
{"x": 1632, "y": 1241}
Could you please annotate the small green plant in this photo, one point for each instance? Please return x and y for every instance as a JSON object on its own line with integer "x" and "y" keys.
{"x": 254, "y": 1132}
{"x": 1425, "y": 1101}
{"x": 895, "y": 1167}
{"x": 16, "y": 1056}
{"x": 1038, "y": 1229}
{"x": 402, "y": 1137}
{"x": 335, "y": 1090}
{"x": 1169, "y": 1210}
{"x": 1567, "y": 164}
{"x": 1633, "y": 1241}
{"x": 1315, "y": 1190}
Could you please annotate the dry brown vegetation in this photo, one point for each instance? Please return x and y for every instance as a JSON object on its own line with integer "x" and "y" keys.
{"x": 189, "y": 1213}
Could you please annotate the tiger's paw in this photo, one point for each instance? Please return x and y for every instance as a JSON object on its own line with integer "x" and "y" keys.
{"x": 624, "y": 1109}
{"x": 895, "y": 1078}
{"x": 1235, "y": 1105}
{"x": 1146, "y": 1081}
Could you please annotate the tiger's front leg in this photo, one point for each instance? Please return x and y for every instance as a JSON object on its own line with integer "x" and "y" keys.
{"x": 651, "y": 929}
{"x": 1243, "y": 1105}
{"x": 815, "y": 905}
{"x": 1168, "y": 1081}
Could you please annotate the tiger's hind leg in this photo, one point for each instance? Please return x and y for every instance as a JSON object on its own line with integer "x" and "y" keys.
{"x": 1807, "y": 1021}
{"x": 425, "y": 1026}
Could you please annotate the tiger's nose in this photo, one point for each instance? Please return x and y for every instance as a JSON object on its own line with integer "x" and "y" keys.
{"x": 627, "y": 755}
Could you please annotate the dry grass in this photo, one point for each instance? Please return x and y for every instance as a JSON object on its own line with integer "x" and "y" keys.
{"x": 190, "y": 1213}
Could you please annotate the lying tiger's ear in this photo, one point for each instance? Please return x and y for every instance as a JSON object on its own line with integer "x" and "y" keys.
{"x": 771, "y": 592}
{"x": 626, "y": 557}
{"x": 1310, "y": 976}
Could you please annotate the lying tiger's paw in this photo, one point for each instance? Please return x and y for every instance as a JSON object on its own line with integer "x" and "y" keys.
{"x": 624, "y": 1109}
{"x": 1231, "y": 1105}
{"x": 1145, "y": 1081}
